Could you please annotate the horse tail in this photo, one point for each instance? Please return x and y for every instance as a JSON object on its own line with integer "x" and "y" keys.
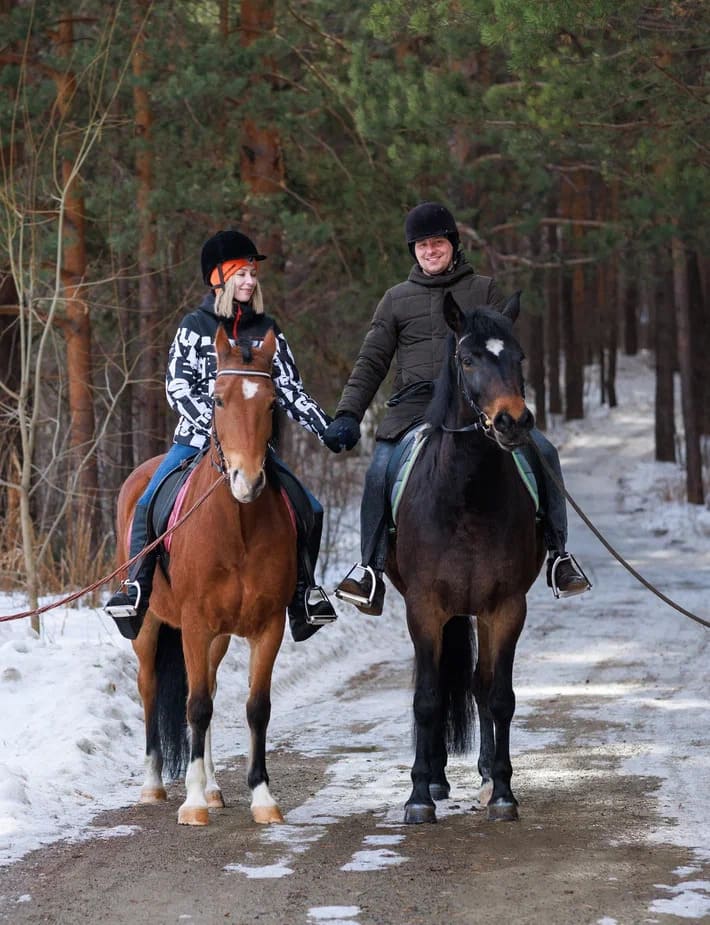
{"x": 169, "y": 718}
{"x": 456, "y": 670}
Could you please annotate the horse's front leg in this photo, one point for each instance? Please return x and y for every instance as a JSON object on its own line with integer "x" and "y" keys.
{"x": 213, "y": 792}
{"x": 481, "y": 686}
{"x": 264, "y": 650}
{"x": 504, "y": 627}
{"x": 426, "y": 636}
{"x": 145, "y": 647}
{"x": 194, "y": 811}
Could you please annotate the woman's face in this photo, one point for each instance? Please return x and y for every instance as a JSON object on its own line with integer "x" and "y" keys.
{"x": 434, "y": 254}
{"x": 246, "y": 281}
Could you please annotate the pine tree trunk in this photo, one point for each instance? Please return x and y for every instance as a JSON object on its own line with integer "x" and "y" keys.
{"x": 148, "y": 396}
{"x": 553, "y": 283}
{"x": 76, "y": 326}
{"x": 666, "y": 353}
{"x": 693, "y": 464}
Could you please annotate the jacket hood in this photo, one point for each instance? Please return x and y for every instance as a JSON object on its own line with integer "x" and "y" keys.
{"x": 461, "y": 269}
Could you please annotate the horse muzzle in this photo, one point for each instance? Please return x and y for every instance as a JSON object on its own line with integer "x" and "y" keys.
{"x": 245, "y": 489}
{"x": 511, "y": 432}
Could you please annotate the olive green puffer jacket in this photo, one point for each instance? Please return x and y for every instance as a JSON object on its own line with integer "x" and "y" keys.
{"x": 408, "y": 325}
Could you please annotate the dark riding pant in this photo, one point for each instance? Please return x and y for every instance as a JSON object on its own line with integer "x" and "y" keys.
{"x": 374, "y": 509}
{"x": 309, "y": 516}
{"x": 552, "y": 499}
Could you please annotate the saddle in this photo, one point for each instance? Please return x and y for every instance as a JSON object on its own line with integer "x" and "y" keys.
{"x": 405, "y": 456}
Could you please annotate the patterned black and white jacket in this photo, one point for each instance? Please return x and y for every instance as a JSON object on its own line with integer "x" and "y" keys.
{"x": 192, "y": 367}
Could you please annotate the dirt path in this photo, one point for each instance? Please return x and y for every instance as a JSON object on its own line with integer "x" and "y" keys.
{"x": 578, "y": 854}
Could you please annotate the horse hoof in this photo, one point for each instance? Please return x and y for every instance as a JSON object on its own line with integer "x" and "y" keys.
{"x": 153, "y": 795}
{"x": 266, "y": 815}
{"x": 502, "y": 811}
{"x": 414, "y": 813}
{"x": 439, "y": 791}
{"x": 214, "y": 798}
{"x": 193, "y": 815}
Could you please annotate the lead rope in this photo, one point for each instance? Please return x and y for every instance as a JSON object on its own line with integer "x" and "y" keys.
{"x": 125, "y": 565}
{"x": 607, "y": 545}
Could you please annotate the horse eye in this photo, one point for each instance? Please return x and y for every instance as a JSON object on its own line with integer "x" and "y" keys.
{"x": 467, "y": 362}
{"x": 218, "y": 401}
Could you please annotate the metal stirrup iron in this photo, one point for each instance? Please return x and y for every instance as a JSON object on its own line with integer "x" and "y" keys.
{"x": 567, "y": 557}
{"x": 126, "y": 610}
{"x": 359, "y": 598}
{"x": 315, "y": 595}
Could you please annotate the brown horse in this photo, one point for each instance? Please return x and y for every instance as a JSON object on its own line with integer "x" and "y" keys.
{"x": 232, "y": 572}
{"x": 468, "y": 544}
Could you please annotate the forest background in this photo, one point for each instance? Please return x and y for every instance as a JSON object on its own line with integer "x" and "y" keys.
{"x": 570, "y": 138}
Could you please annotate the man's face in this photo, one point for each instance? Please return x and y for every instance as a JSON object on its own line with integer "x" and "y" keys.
{"x": 434, "y": 254}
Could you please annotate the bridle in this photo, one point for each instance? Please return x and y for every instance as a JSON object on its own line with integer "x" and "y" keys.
{"x": 482, "y": 422}
{"x": 220, "y": 464}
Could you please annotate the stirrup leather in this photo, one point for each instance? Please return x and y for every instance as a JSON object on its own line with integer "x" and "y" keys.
{"x": 553, "y": 574}
{"x": 314, "y": 598}
{"x": 125, "y": 610}
{"x": 359, "y": 598}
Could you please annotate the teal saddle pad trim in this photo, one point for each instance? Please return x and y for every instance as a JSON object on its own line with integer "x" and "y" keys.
{"x": 408, "y": 451}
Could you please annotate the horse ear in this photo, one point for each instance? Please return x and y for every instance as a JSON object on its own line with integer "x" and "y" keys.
{"x": 269, "y": 345}
{"x": 453, "y": 315}
{"x": 221, "y": 345}
{"x": 512, "y": 306}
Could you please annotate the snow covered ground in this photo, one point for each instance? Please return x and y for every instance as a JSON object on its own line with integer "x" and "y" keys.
{"x": 71, "y": 731}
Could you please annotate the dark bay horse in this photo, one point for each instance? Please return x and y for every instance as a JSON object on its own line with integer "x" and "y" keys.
{"x": 232, "y": 571}
{"x": 468, "y": 544}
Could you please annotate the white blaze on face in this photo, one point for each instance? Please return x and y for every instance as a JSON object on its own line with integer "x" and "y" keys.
{"x": 249, "y": 389}
{"x": 495, "y": 345}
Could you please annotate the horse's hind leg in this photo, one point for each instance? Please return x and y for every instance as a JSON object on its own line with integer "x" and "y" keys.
{"x": 213, "y": 793}
{"x": 498, "y": 635}
{"x": 263, "y": 655}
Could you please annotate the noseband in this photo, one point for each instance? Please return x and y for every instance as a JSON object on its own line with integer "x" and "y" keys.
{"x": 482, "y": 422}
{"x": 221, "y": 463}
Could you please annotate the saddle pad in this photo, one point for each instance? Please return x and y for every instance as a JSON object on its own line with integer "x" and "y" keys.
{"x": 413, "y": 442}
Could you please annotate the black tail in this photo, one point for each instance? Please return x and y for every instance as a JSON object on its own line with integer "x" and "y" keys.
{"x": 458, "y": 662}
{"x": 169, "y": 719}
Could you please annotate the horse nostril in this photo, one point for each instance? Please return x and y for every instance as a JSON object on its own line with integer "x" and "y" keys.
{"x": 527, "y": 420}
{"x": 503, "y": 422}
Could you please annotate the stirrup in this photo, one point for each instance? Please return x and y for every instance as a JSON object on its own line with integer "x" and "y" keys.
{"x": 553, "y": 575}
{"x": 359, "y": 598}
{"x": 125, "y": 610}
{"x": 314, "y": 599}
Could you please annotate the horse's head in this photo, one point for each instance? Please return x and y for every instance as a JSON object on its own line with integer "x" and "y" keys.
{"x": 487, "y": 366}
{"x": 244, "y": 398}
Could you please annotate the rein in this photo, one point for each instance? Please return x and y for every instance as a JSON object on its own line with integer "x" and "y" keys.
{"x": 102, "y": 581}
{"x": 607, "y": 545}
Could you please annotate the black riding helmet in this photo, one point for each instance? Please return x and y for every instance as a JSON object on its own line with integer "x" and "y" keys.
{"x": 227, "y": 245}
{"x": 430, "y": 220}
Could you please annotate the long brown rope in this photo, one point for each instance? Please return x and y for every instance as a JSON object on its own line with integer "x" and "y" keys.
{"x": 607, "y": 545}
{"x": 102, "y": 581}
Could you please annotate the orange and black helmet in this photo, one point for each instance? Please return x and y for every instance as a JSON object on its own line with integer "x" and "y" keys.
{"x": 226, "y": 245}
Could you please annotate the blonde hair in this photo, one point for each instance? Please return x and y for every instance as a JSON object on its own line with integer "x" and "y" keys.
{"x": 224, "y": 298}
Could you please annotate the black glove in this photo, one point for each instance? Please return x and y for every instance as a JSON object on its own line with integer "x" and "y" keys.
{"x": 342, "y": 433}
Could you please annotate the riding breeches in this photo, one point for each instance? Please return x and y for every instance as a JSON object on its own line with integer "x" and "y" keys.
{"x": 552, "y": 498}
{"x": 375, "y": 507}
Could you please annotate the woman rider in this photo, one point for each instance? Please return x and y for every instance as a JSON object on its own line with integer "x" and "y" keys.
{"x": 229, "y": 267}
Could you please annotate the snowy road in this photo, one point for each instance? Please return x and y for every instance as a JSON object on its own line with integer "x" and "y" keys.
{"x": 609, "y": 748}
